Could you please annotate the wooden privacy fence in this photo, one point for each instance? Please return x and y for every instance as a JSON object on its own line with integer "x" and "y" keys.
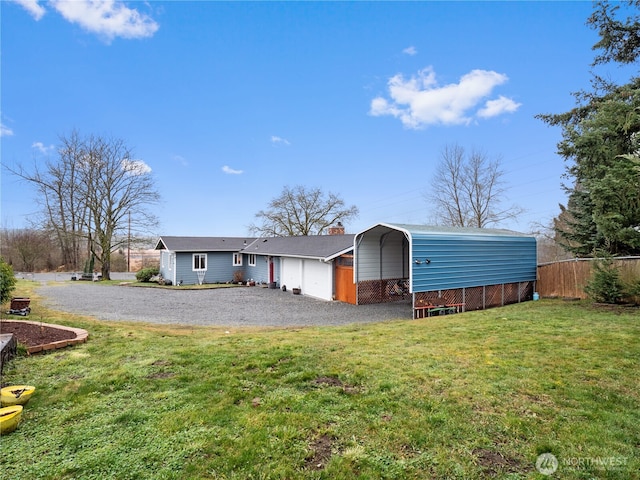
{"x": 567, "y": 278}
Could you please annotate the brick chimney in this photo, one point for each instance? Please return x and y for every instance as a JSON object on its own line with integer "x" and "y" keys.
{"x": 337, "y": 230}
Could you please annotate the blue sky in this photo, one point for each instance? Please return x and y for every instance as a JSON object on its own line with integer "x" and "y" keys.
{"x": 228, "y": 102}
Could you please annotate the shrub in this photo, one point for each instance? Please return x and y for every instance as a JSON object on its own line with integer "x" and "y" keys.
{"x": 605, "y": 285}
{"x": 633, "y": 289}
{"x": 145, "y": 274}
{"x": 7, "y": 281}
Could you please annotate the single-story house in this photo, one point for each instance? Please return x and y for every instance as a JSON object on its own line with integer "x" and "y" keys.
{"x": 468, "y": 267}
{"x": 197, "y": 260}
{"x": 304, "y": 262}
{"x": 464, "y": 267}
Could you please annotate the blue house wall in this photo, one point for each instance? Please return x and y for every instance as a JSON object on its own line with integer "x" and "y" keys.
{"x": 258, "y": 272}
{"x": 220, "y": 268}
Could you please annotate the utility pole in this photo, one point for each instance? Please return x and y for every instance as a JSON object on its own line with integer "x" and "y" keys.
{"x": 129, "y": 245}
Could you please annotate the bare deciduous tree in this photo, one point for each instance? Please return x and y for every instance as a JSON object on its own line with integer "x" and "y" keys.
{"x": 57, "y": 185}
{"x": 301, "y": 211}
{"x": 94, "y": 192}
{"x": 117, "y": 189}
{"x": 27, "y": 250}
{"x": 550, "y": 249}
{"x": 468, "y": 191}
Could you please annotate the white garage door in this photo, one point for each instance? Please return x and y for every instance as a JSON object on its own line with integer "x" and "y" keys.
{"x": 311, "y": 276}
{"x": 316, "y": 279}
{"x": 291, "y": 273}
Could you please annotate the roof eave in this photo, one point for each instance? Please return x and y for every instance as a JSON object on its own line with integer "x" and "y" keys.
{"x": 340, "y": 253}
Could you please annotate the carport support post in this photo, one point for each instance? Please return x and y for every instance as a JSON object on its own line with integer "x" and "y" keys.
{"x": 356, "y": 267}
{"x": 383, "y": 239}
{"x": 413, "y": 305}
{"x": 519, "y": 292}
{"x": 464, "y": 297}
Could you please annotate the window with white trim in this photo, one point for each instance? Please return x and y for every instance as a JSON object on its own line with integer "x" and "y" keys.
{"x": 199, "y": 261}
{"x": 252, "y": 259}
{"x": 237, "y": 259}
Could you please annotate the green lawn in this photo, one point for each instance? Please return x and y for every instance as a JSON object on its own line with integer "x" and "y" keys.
{"x": 474, "y": 395}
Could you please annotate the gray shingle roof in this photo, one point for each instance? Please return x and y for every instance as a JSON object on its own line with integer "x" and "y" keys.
{"x": 203, "y": 244}
{"x": 312, "y": 246}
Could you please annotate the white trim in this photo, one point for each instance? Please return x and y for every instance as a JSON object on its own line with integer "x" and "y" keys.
{"x": 172, "y": 267}
{"x": 201, "y": 256}
{"x": 237, "y": 256}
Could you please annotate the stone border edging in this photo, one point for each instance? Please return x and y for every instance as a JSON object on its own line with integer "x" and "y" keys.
{"x": 81, "y": 337}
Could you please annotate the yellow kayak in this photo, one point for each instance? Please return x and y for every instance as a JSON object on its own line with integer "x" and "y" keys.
{"x": 16, "y": 395}
{"x": 10, "y": 418}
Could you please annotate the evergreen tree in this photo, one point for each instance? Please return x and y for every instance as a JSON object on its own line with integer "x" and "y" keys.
{"x": 601, "y": 142}
{"x": 574, "y": 227}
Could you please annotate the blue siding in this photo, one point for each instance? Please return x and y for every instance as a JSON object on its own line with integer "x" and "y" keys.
{"x": 219, "y": 268}
{"x": 260, "y": 272}
{"x": 458, "y": 261}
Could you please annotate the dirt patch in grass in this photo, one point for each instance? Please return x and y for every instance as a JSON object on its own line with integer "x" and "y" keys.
{"x": 493, "y": 462}
{"x": 335, "y": 382}
{"x": 161, "y": 363}
{"x": 330, "y": 381}
{"x": 321, "y": 450}
{"x": 161, "y": 374}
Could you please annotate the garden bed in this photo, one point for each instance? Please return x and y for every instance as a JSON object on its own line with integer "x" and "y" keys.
{"x": 38, "y": 336}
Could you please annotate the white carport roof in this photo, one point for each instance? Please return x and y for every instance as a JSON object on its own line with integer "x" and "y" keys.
{"x": 408, "y": 229}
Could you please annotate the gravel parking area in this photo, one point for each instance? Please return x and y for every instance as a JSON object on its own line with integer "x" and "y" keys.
{"x": 237, "y": 306}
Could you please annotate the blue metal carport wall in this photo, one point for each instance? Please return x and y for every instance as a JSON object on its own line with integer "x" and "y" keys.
{"x": 443, "y": 258}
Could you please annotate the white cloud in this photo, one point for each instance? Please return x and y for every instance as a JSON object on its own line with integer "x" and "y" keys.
{"x": 420, "y": 101}
{"x": 135, "y": 167}
{"x": 42, "y": 148}
{"x": 108, "y": 18}
{"x": 36, "y": 10}
{"x": 231, "y": 171}
{"x": 497, "y": 107}
{"x": 181, "y": 160}
{"x": 5, "y": 131}
{"x": 410, "y": 50}
{"x": 279, "y": 140}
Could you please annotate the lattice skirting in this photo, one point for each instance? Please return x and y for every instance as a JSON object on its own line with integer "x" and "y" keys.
{"x": 479, "y": 298}
{"x": 474, "y": 298}
{"x": 382, "y": 291}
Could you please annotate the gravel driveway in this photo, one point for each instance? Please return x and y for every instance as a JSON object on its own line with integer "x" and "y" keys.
{"x": 237, "y": 306}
